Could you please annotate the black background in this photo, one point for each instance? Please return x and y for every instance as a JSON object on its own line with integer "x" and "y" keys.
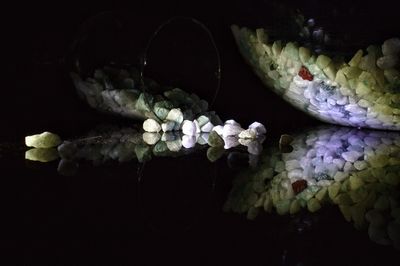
{"x": 103, "y": 215}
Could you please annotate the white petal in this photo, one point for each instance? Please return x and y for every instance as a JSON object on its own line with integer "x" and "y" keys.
{"x": 248, "y": 134}
{"x": 168, "y": 126}
{"x": 230, "y": 142}
{"x": 219, "y": 129}
{"x": 231, "y": 130}
{"x": 208, "y": 127}
{"x": 197, "y": 126}
{"x": 188, "y": 141}
{"x": 175, "y": 115}
{"x": 151, "y": 125}
{"x": 189, "y": 128}
{"x": 259, "y": 128}
{"x": 245, "y": 142}
{"x": 151, "y": 138}
{"x": 232, "y": 122}
{"x": 203, "y": 139}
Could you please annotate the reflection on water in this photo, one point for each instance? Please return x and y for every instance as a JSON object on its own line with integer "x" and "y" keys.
{"x": 123, "y": 144}
{"x": 169, "y": 195}
{"x": 120, "y": 144}
{"x": 356, "y": 170}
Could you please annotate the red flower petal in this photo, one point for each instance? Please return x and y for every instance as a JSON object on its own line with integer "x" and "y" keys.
{"x": 304, "y": 73}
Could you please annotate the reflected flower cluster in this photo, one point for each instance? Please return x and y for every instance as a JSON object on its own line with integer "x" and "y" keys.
{"x": 113, "y": 143}
{"x": 356, "y": 170}
{"x": 120, "y": 144}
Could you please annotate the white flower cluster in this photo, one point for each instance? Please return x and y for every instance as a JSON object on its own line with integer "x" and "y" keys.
{"x": 174, "y": 121}
{"x": 231, "y": 132}
{"x": 195, "y": 131}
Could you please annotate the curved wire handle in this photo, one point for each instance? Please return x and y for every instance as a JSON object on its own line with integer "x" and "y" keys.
{"x": 76, "y": 44}
{"x": 202, "y": 26}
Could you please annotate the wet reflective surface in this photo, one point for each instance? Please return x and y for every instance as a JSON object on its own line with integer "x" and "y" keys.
{"x": 356, "y": 170}
{"x": 181, "y": 205}
{"x": 99, "y": 204}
